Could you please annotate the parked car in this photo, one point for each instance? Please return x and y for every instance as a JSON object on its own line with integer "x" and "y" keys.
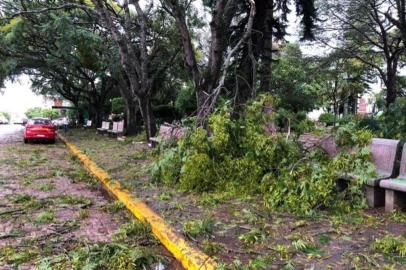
{"x": 20, "y": 121}
{"x": 39, "y": 129}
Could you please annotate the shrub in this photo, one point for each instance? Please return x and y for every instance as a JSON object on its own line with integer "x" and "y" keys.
{"x": 348, "y": 118}
{"x": 393, "y": 121}
{"x": 327, "y": 118}
{"x": 299, "y": 123}
{"x": 371, "y": 124}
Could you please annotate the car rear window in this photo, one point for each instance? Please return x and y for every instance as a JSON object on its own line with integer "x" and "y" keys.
{"x": 40, "y": 122}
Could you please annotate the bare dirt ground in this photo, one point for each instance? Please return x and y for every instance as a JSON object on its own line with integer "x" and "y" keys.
{"x": 240, "y": 232}
{"x": 53, "y": 215}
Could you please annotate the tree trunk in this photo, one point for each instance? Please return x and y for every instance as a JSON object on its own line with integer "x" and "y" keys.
{"x": 131, "y": 105}
{"x": 147, "y": 116}
{"x": 265, "y": 26}
{"x": 79, "y": 117}
{"x": 391, "y": 91}
{"x": 97, "y": 116}
{"x": 131, "y": 117}
{"x": 244, "y": 82}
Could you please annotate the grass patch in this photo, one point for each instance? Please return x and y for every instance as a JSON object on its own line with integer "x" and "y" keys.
{"x": 165, "y": 196}
{"x": 21, "y": 198}
{"x": 397, "y": 216}
{"x": 140, "y": 155}
{"x": 72, "y": 200}
{"x": 115, "y": 256}
{"x": 391, "y": 245}
{"x": 136, "y": 231}
{"x": 27, "y": 180}
{"x": 306, "y": 247}
{"x": 252, "y": 237}
{"x": 212, "y": 248}
{"x": 212, "y": 199}
{"x": 45, "y": 217}
{"x": 324, "y": 239}
{"x": 46, "y": 187}
{"x": 114, "y": 207}
{"x": 8, "y": 161}
{"x": 80, "y": 175}
{"x": 201, "y": 227}
{"x": 16, "y": 257}
{"x": 39, "y": 204}
{"x": 84, "y": 213}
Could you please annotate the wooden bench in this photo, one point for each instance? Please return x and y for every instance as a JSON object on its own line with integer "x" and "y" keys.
{"x": 167, "y": 131}
{"x": 104, "y": 128}
{"x": 88, "y": 124}
{"x": 395, "y": 188}
{"x": 384, "y": 154}
{"x": 117, "y": 130}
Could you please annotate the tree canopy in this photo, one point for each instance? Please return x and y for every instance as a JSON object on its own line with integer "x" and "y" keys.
{"x": 187, "y": 56}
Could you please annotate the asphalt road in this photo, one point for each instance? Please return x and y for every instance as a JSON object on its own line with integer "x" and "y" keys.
{"x": 11, "y": 133}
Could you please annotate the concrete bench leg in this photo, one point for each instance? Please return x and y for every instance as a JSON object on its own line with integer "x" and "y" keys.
{"x": 375, "y": 196}
{"x": 394, "y": 199}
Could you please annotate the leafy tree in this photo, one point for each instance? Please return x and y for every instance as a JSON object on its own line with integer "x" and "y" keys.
{"x": 6, "y": 115}
{"x": 144, "y": 48}
{"x": 342, "y": 81}
{"x": 64, "y": 57}
{"x": 396, "y": 13}
{"x": 254, "y": 23}
{"x": 41, "y": 112}
{"x": 366, "y": 34}
{"x": 75, "y": 48}
{"x": 117, "y": 105}
{"x": 293, "y": 82}
{"x": 270, "y": 25}
{"x": 393, "y": 121}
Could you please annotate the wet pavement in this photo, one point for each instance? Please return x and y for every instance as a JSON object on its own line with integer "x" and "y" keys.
{"x": 11, "y": 133}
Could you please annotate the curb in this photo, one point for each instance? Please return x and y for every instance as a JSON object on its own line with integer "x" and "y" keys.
{"x": 191, "y": 258}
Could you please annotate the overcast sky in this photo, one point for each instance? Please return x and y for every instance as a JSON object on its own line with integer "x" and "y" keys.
{"x": 18, "y": 97}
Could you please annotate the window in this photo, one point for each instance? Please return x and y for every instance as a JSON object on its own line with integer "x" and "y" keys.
{"x": 39, "y": 122}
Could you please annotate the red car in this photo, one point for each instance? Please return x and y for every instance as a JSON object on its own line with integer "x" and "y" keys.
{"x": 39, "y": 129}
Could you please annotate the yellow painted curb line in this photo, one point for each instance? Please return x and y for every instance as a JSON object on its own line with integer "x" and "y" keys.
{"x": 191, "y": 258}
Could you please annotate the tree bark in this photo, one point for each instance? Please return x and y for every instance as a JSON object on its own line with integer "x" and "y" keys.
{"x": 131, "y": 104}
{"x": 244, "y": 82}
{"x": 132, "y": 108}
{"x": 391, "y": 91}
{"x": 204, "y": 82}
{"x": 265, "y": 25}
{"x": 147, "y": 116}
